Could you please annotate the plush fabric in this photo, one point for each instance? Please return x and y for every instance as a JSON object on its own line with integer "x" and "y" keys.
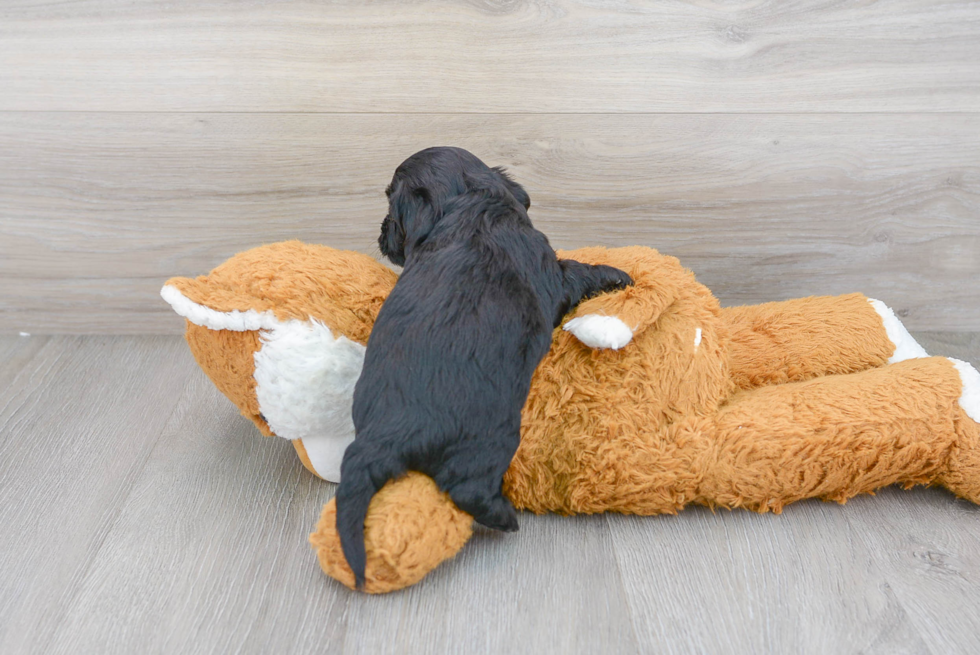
{"x": 751, "y": 407}
{"x": 411, "y": 527}
{"x": 243, "y": 316}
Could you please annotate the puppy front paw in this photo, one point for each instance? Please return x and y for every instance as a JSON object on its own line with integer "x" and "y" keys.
{"x": 613, "y": 279}
{"x": 597, "y": 331}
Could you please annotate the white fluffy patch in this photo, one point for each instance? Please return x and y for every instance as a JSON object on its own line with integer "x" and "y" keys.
{"x": 215, "y": 320}
{"x": 597, "y": 331}
{"x": 326, "y": 453}
{"x": 905, "y": 346}
{"x": 970, "y": 398}
{"x": 304, "y": 377}
{"x": 697, "y": 338}
{"x": 305, "y": 387}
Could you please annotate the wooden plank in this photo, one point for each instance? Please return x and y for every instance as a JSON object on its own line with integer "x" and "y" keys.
{"x": 143, "y": 514}
{"x": 460, "y": 56}
{"x": 97, "y": 210}
{"x": 928, "y": 548}
{"x": 553, "y": 587}
{"x": 931, "y": 543}
{"x": 77, "y": 422}
{"x": 961, "y": 345}
{"x": 16, "y": 352}
{"x": 738, "y": 582}
{"x": 208, "y": 553}
{"x": 898, "y": 572}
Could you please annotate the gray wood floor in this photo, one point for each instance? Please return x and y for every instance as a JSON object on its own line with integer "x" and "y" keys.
{"x": 141, "y": 514}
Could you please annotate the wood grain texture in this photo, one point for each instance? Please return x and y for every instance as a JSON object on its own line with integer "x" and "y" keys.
{"x": 143, "y": 514}
{"x": 491, "y": 56}
{"x": 77, "y": 422}
{"x": 208, "y": 553}
{"x": 97, "y": 210}
{"x": 929, "y": 550}
{"x": 800, "y": 582}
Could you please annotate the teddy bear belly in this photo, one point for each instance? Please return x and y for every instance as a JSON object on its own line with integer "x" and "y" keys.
{"x": 623, "y": 430}
{"x": 633, "y": 472}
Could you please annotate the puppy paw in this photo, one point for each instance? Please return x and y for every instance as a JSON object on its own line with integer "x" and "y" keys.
{"x": 600, "y": 331}
{"x": 500, "y": 515}
{"x": 613, "y": 279}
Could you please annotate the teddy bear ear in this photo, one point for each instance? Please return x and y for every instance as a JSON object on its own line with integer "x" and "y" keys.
{"x": 290, "y": 280}
{"x": 240, "y": 294}
{"x": 215, "y": 306}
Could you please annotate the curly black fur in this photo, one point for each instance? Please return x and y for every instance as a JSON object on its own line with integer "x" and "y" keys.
{"x": 449, "y": 361}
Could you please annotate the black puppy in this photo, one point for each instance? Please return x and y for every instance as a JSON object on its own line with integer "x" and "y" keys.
{"x": 449, "y": 362}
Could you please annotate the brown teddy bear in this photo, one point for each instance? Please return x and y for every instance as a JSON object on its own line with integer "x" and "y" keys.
{"x": 651, "y": 398}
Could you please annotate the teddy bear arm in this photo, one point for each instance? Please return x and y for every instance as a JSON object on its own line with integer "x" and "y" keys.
{"x": 612, "y": 319}
{"x": 628, "y": 306}
{"x": 838, "y": 436}
{"x": 801, "y": 339}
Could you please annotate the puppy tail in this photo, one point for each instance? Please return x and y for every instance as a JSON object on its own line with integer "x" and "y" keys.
{"x": 359, "y": 481}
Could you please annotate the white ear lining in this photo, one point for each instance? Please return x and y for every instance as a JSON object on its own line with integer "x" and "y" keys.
{"x": 198, "y": 314}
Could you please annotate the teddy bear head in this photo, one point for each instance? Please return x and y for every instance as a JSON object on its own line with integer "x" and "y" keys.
{"x": 281, "y": 331}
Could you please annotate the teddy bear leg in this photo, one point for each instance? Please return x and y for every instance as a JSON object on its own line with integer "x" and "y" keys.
{"x": 906, "y": 347}
{"x": 838, "y": 436}
{"x": 802, "y": 339}
{"x": 411, "y": 527}
{"x": 962, "y": 475}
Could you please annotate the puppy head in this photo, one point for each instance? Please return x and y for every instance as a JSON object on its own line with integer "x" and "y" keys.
{"x": 422, "y": 186}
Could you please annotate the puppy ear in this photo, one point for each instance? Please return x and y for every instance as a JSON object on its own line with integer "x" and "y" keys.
{"x": 412, "y": 210}
{"x": 515, "y": 189}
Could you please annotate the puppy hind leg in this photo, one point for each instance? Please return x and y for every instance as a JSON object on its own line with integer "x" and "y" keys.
{"x": 500, "y": 514}
{"x": 494, "y": 511}
{"x": 473, "y": 478}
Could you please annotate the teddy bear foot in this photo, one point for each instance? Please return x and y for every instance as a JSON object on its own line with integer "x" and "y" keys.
{"x": 322, "y": 455}
{"x": 963, "y": 473}
{"x": 906, "y": 347}
{"x": 970, "y": 398}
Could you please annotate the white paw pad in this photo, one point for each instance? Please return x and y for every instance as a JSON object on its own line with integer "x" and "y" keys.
{"x": 970, "y": 398}
{"x": 905, "y": 346}
{"x": 597, "y": 331}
